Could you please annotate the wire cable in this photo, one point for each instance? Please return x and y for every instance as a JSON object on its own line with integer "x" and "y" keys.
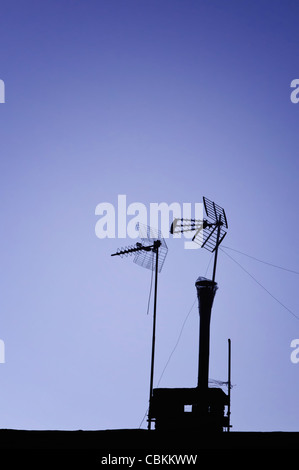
{"x": 260, "y": 261}
{"x": 177, "y": 342}
{"x": 261, "y": 285}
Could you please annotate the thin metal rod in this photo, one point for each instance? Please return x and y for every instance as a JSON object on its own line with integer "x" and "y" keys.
{"x": 216, "y": 251}
{"x": 229, "y": 383}
{"x": 154, "y": 335}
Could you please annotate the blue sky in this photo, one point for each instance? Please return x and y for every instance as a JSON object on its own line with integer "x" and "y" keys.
{"x": 163, "y": 101}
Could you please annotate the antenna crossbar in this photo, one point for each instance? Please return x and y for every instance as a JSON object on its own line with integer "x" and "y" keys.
{"x": 132, "y": 249}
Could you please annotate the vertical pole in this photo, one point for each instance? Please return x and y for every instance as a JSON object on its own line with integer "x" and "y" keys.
{"x": 156, "y": 248}
{"x": 216, "y": 250}
{"x": 229, "y": 383}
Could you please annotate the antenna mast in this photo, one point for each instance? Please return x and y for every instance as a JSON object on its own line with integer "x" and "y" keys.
{"x": 209, "y": 233}
{"x": 146, "y": 253}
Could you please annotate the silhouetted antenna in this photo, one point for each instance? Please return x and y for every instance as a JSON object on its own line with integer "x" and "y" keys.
{"x": 150, "y": 254}
{"x": 144, "y": 258}
{"x": 208, "y": 233}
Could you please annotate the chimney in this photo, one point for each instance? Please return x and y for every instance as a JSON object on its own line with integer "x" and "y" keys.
{"x": 206, "y": 290}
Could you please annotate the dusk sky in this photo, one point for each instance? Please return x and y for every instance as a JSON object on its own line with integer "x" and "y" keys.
{"x": 160, "y": 101}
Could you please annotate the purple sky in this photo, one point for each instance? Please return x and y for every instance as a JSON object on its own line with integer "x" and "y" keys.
{"x": 163, "y": 101}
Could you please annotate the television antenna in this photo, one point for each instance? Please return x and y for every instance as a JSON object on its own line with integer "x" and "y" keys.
{"x": 150, "y": 254}
{"x": 208, "y": 233}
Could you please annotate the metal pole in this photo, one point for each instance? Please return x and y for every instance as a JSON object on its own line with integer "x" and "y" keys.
{"x": 229, "y": 383}
{"x": 216, "y": 250}
{"x": 156, "y": 248}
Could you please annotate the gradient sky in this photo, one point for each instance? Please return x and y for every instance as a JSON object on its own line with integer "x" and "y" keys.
{"x": 163, "y": 101}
